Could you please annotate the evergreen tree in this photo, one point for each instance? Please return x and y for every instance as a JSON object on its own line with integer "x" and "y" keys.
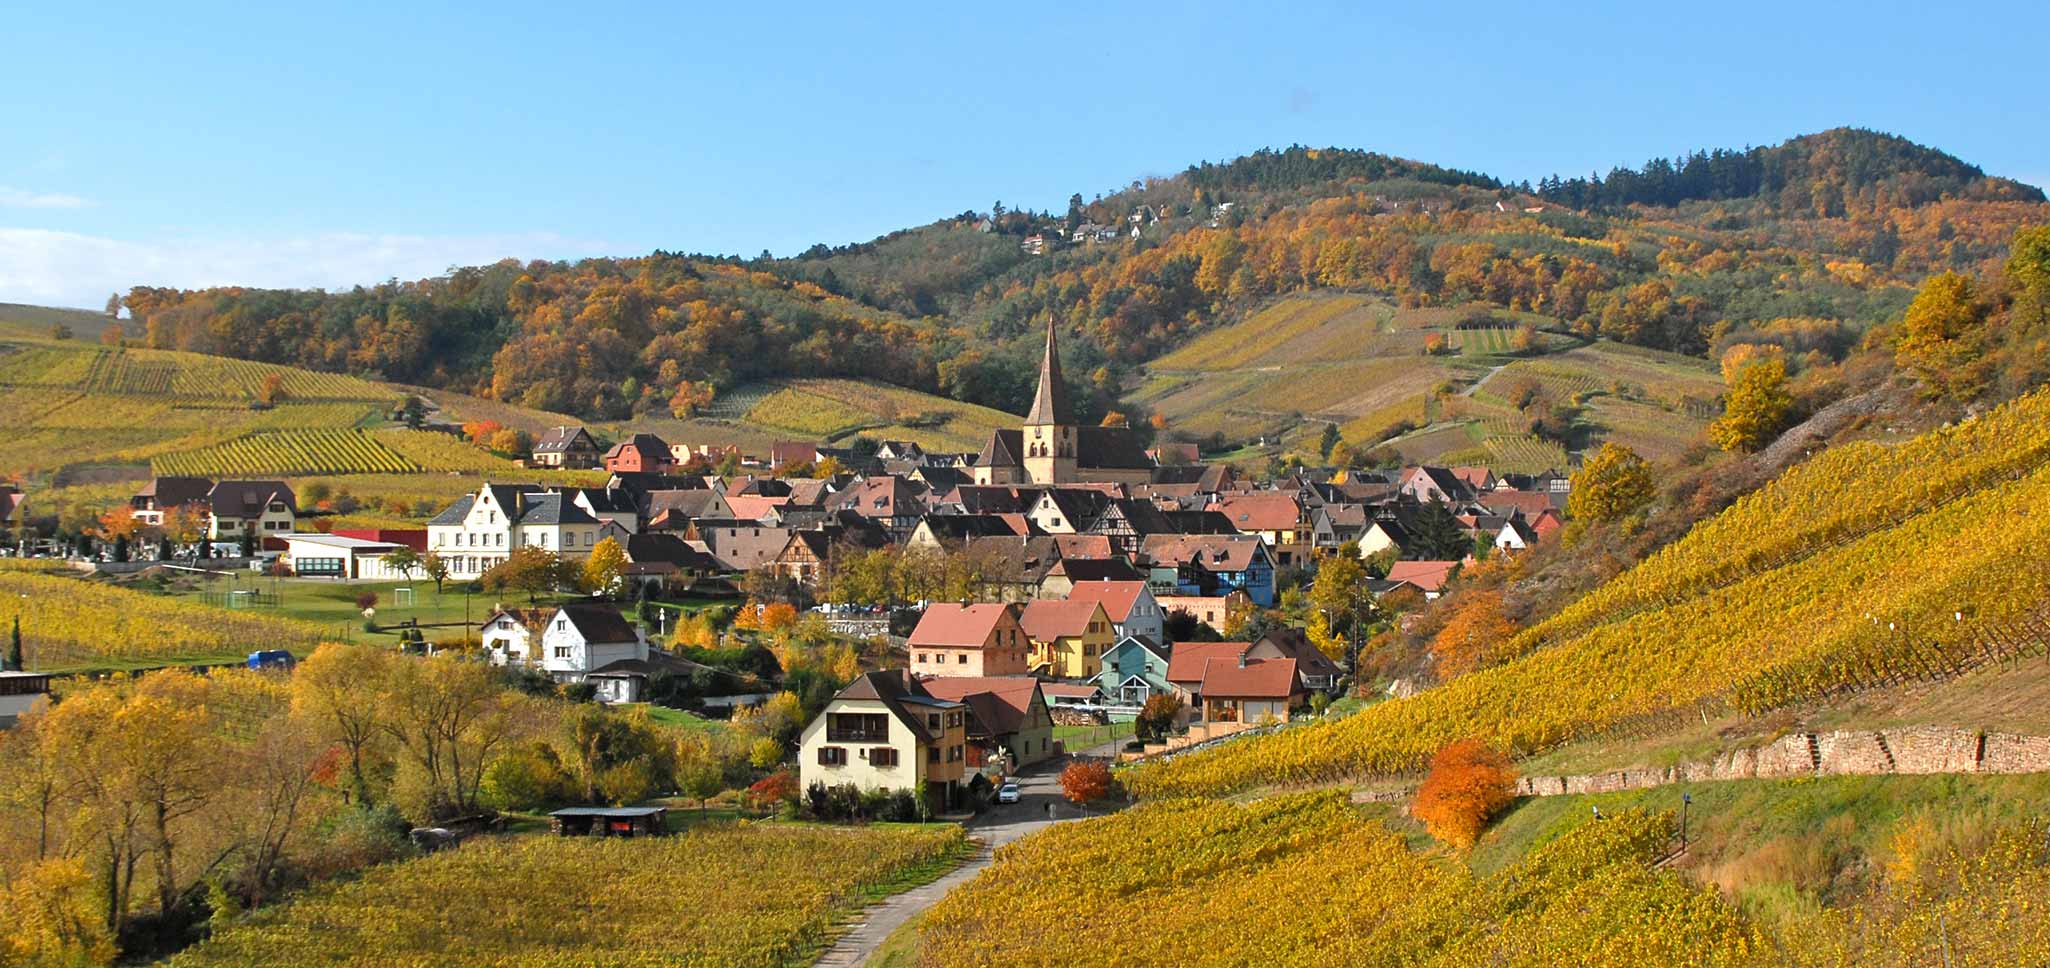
{"x": 14, "y": 661}
{"x": 1439, "y": 536}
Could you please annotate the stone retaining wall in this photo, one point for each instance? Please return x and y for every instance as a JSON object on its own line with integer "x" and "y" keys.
{"x": 1917, "y": 750}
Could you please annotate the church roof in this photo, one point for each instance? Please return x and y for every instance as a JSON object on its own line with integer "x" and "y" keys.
{"x": 1050, "y": 404}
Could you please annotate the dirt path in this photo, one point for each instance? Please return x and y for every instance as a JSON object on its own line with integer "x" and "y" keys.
{"x": 999, "y": 826}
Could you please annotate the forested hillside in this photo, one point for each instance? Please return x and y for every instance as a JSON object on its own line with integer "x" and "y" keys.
{"x": 1808, "y": 244}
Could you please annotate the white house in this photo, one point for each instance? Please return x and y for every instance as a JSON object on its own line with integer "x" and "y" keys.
{"x": 19, "y": 692}
{"x": 262, "y": 508}
{"x": 887, "y": 732}
{"x": 574, "y": 640}
{"x": 334, "y": 556}
{"x": 480, "y": 530}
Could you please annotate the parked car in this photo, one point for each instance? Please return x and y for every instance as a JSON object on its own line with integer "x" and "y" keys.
{"x": 1009, "y": 793}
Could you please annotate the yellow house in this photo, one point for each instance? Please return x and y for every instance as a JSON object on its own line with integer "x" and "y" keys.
{"x": 1068, "y": 638}
{"x": 886, "y": 732}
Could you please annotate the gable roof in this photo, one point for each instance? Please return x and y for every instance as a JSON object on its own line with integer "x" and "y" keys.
{"x": 961, "y": 527}
{"x": 1427, "y": 575}
{"x": 561, "y": 439}
{"x": 1116, "y": 597}
{"x": 1256, "y": 679}
{"x": 1002, "y": 450}
{"x": 652, "y": 450}
{"x": 1081, "y": 570}
{"x": 1186, "y": 662}
{"x": 599, "y": 623}
{"x": 898, "y": 693}
{"x": 1211, "y": 552}
{"x": 171, "y": 492}
{"x": 456, "y": 511}
{"x": 958, "y": 626}
{"x": 234, "y": 499}
{"x": 1110, "y": 448}
{"x": 551, "y": 509}
{"x": 1260, "y": 511}
{"x": 1047, "y": 619}
{"x": 1002, "y": 703}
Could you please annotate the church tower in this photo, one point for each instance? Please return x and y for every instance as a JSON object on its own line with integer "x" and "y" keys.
{"x": 1049, "y": 430}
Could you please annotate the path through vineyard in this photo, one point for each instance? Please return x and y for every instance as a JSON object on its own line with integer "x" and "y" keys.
{"x": 1000, "y": 826}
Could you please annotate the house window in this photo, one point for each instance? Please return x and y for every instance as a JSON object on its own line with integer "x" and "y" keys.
{"x": 832, "y": 756}
{"x": 932, "y": 754}
{"x": 882, "y": 757}
{"x": 562, "y": 651}
{"x": 960, "y": 658}
{"x": 932, "y": 721}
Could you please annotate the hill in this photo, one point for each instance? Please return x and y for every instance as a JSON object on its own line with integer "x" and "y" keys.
{"x": 38, "y": 321}
{"x": 1369, "y": 367}
{"x": 1682, "y": 257}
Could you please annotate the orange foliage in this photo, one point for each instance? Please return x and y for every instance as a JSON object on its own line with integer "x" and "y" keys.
{"x": 1086, "y": 781}
{"x": 1474, "y": 636}
{"x": 1469, "y": 782}
{"x": 773, "y": 617}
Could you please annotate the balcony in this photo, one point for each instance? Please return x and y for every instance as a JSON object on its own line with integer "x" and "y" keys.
{"x": 836, "y": 734}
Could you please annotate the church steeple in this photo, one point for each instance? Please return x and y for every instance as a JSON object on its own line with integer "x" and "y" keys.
{"x": 1050, "y": 405}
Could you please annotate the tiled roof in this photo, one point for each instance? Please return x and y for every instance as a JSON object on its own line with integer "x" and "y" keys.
{"x": 949, "y": 624}
{"x": 1261, "y": 511}
{"x": 1116, "y": 597}
{"x": 1002, "y": 703}
{"x": 1047, "y": 619}
{"x": 1427, "y": 575}
{"x": 1187, "y": 661}
{"x": 1257, "y": 679}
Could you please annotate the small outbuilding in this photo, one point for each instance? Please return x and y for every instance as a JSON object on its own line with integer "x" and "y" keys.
{"x": 610, "y": 821}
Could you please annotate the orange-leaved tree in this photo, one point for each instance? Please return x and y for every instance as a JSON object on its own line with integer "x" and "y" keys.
{"x": 1474, "y": 636}
{"x": 1469, "y": 782}
{"x": 1086, "y": 781}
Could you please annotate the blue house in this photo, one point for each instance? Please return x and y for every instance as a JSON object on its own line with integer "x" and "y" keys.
{"x": 1212, "y": 564}
{"x": 1133, "y": 671}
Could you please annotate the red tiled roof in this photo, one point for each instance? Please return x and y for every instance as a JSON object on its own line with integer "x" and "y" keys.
{"x": 1257, "y": 679}
{"x": 749, "y": 507}
{"x": 1475, "y": 477}
{"x": 1001, "y": 702}
{"x": 1047, "y": 619}
{"x": 1427, "y": 575}
{"x": 1083, "y": 545}
{"x": 1186, "y": 662}
{"x": 1503, "y": 502}
{"x": 948, "y": 624}
{"x": 1261, "y": 511}
{"x": 1116, "y": 597}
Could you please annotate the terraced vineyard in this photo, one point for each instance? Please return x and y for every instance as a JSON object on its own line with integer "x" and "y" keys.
{"x": 1859, "y": 568}
{"x": 72, "y": 623}
{"x": 436, "y": 451}
{"x": 288, "y": 452}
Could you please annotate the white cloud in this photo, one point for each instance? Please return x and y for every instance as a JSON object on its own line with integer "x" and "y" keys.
{"x": 55, "y": 268}
{"x": 22, "y": 198}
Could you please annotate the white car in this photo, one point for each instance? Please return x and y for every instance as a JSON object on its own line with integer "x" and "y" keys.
{"x": 1009, "y": 793}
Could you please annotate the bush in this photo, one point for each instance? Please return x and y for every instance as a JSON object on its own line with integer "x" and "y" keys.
{"x": 1469, "y": 783}
{"x": 1087, "y": 781}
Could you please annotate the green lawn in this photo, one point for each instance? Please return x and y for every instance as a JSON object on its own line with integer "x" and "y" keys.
{"x": 683, "y": 719}
{"x": 333, "y": 605}
{"x": 1079, "y": 738}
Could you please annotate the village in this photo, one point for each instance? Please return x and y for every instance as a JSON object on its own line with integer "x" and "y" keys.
{"x": 1098, "y": 582}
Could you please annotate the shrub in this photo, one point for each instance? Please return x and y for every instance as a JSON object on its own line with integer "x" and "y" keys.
{"x": 1469, "y": 782}
{"x": 1086, "y": 781}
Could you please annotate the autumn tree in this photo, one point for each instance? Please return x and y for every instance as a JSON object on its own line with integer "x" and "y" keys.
{"x": 690, "y": 398}
{"x": 1612, "y": 485}
{"x": 1340, "y": 604}
{"x": 50, "y": 917}
{"x": 337, "y": 688}
{"x": 1942, "y": 338}
{"x": 271, "y": 391}
{"x": 1158, "y": 716}
{"x": 1474, "y": 636}
{"x": 603, "y": 568}
{"x": 445, "y": 718}
{"x": 1086, "y": 781}
{"x": 1756, "y": 407}
{"x": 436, "y": 568}
{"x": 1468, "y": 783}
{"x": 403, "y": 560}
{"x": 531, "y": 570}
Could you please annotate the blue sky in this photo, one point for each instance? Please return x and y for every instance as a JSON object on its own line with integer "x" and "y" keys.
{"x": 189, "y": 144}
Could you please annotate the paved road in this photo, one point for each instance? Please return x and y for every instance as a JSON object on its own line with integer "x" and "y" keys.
{"x": 999, "y": 825}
